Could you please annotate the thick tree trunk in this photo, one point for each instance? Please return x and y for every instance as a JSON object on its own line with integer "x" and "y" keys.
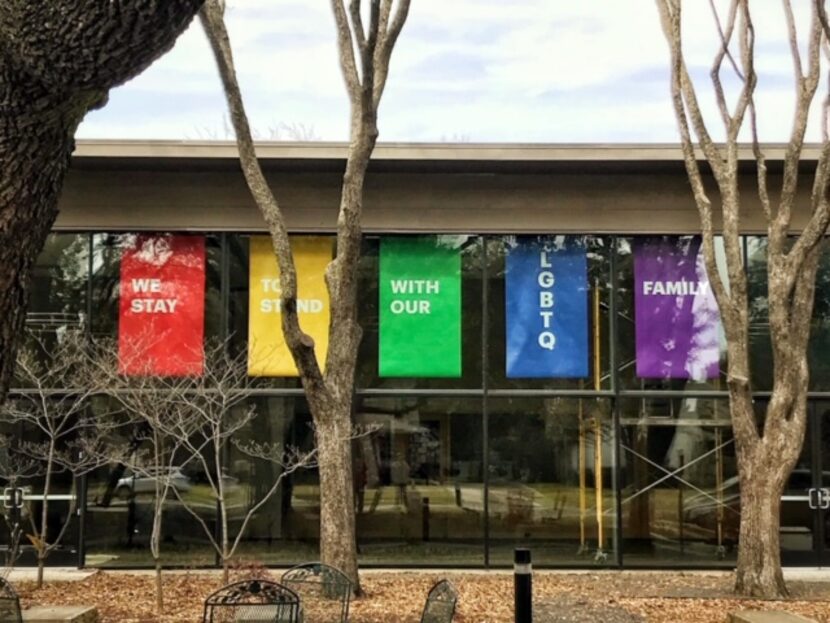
{"x": 329, "y": 393}
{"x": 32, "y": 169}
{"x": 337, "y": 518}
{"x": 758, "y": 573}
{"x": 764, "y": 465}
{"x": 58, "y": 60}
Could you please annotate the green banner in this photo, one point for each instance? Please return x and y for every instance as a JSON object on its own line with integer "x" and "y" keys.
{"x": 420, "y": 307}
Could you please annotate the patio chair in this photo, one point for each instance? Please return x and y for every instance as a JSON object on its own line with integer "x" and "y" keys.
{"x": 440, "y": 605}
{"x": 253, "y": 601}
{"x": 325, "y": 591}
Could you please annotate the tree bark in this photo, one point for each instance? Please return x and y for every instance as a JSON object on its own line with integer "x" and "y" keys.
{"x": 337, "y": 516}
{"x": 32, "y": 168}
{"x": 758, "y": 573}
{"x": 159, "y": 587}
{"x": 58, "y": 60}
{"x": 364, "y": 61}
{"x": 767, "y": 453}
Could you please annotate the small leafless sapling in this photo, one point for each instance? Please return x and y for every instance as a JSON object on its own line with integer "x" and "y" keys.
{"x": 58, "y": 433}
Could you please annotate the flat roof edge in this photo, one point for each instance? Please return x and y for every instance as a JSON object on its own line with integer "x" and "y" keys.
{"x": 319, "y": 150}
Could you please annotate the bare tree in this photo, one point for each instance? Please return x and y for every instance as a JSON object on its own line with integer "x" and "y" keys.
{"x": 15, "y": 470}
{"x": 202, "y": 418}
{"x": 58, "y": 61}
{"x": 152, "y": 405}
{"x": 766, "y": 453}
{"x": 365, "y": 52}
{"x": 53, "y": 408}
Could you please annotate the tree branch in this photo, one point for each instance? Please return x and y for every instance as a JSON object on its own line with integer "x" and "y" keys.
{"x": 301, "y": 344}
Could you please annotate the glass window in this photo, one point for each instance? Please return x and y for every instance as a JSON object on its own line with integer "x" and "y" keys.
{"x": 286, "y": 528}
{"x": 669, "y": 332}
{"x": 760, "y": 348}
{"x": 419, "y": 492}
{"x": 587, "y": 311}
{"x": 120, "y": 507}
{"x": 470, "y": 249}
{"x": 679, "y": 497}
{"x": 760, "y": 345}
{"x": 107, "y": 251}
{"x": 819, "y": 344}
{"x": 58, "y": 294}
{"x": 59, "y": 283}
{"x": 551, "y": 476}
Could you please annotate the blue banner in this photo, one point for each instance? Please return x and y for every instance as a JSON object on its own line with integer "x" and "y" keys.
{"x": 546, "y": 297}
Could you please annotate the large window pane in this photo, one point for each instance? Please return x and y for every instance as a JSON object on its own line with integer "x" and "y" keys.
{"x": 285, "y": 529}
{"x": 106, "y": 281}
{"x": 58, "y": 298}
{"x": 470, "y": 248}
{"x": 121, "y": 506}
{"x": 678, "y": 325}
{"x": 418, "y": 481}
{"x": 596, "y": 295}
{"x": 819, "y": 344}
{"x": 759, "y": 331}
{"x": 551, "y": 466}
{"x": 760, "y": 348}
{"x": 679, "y": 482}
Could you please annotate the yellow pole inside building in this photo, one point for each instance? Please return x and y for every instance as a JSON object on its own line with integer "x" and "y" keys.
{"x": 583, "y": 504}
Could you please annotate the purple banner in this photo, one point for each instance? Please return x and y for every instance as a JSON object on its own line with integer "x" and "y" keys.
{"x": 676, "y": 316}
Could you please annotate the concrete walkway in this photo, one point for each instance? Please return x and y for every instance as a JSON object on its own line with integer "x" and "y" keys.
{"x": 72, "y": 574}
{"x": 50, "y": 574}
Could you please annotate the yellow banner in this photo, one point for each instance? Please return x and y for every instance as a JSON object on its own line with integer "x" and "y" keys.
{"x": 268, "y": 354}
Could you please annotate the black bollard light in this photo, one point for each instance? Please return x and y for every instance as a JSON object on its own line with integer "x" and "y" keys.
{"x": 522, "y": 586}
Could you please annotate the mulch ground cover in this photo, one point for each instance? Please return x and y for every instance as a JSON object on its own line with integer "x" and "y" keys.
{"x": 610, "y": 597}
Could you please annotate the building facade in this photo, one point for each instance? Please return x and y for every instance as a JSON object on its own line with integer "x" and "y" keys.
{"x": 601, "y": 437}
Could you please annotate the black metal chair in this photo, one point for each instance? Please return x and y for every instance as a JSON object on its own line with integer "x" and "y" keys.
{"x": 9, "y": 603}
{"x": 325, "y": 591}
{"x": 253, "y": 601}
{"x": 440, "y": 605}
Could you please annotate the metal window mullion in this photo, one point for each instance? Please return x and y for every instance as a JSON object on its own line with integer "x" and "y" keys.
{"x": 615, "y": 402}
{"x": 83, "y": 480}
{"x": 485, "y": 415}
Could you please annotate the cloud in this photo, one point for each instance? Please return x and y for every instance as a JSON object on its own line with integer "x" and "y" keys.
{"x": 530, "y": 71}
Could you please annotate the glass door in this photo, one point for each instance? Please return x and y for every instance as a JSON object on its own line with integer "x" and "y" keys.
{"x": 807, "y": 496}
{"x": 821, "y": 497}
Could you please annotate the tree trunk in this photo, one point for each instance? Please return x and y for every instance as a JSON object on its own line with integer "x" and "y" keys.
{"x": 155, "y": 544}
{"x": 159, "y": 588}
{"x": 758, "y": 573}
{"x": 41, "y": 563}
{"x": 43, "y": 533}
{"x": 226, "y": 571}
{"x": 58, "y": 60}
{"x": 32, "y": 169}
{"x": 337, "y": 517}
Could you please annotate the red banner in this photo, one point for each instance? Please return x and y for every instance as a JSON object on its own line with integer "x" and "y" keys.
{"x": 162, "y": 307}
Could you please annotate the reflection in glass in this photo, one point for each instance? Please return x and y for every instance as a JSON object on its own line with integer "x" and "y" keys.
{"x": 58, "y": 299}
{"x": 369, "y": 317}
{"x": 668, "y": 336}
{"x": 418, "y": 481}
{"x": 596, "y": 309}
{"x": 551, "y": 467}
{"x": 107, "y": 250}
{"x": 679, "y": 482}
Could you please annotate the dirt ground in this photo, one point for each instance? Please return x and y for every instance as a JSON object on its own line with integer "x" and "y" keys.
{"x": 610, "y": 597}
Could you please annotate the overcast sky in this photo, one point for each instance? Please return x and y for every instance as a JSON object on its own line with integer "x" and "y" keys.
{"x": 470, "y": 70}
